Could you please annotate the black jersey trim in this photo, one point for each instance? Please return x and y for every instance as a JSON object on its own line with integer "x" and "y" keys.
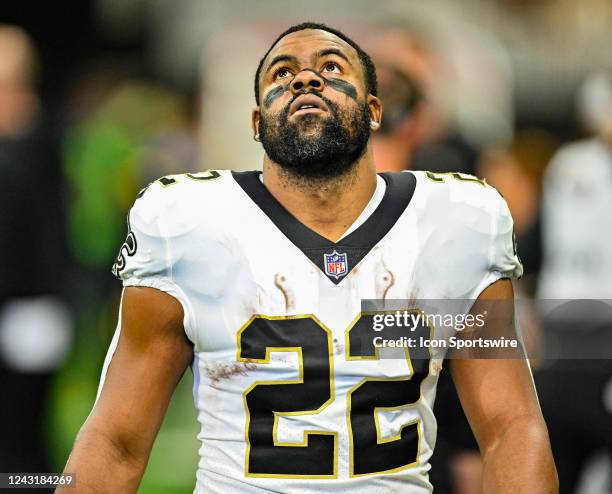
{"x": 356, "y": 245}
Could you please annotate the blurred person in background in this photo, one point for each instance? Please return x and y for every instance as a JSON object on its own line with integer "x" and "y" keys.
{"x": 395, "y": 143}
{"x": 576, "y": 387}
{"x": 449, "y": 74}
{"x": 403, "y": 66}
{"x": 35, "y": 329}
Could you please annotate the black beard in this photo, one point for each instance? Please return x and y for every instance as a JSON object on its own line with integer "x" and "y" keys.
{"x": 330, "y": 152}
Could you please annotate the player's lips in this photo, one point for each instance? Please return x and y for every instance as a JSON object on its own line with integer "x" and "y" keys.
{"x": 307, "y": 103}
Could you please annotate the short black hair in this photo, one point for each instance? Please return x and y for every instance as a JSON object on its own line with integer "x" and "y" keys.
{"x": 369, "y": 71}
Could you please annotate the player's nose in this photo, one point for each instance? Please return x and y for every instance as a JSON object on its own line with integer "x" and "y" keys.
{"x": 306, "y": 80}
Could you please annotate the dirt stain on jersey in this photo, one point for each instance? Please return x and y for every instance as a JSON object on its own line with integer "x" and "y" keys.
{"x": 223, "y": 372}
{"x": 280, "y": 281}
{"x": 436, "y": 367}
{"x": 337, "y": 347}
{"x": 412, "y": 296}
{"x": 384, "y": 280}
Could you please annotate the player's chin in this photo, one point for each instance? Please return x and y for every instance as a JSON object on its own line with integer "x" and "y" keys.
{"x": 311, "y": 124}
{"x": 311, "y": 133}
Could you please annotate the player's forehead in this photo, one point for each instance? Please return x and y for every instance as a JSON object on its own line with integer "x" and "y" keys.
{"x": 307, "y": 43}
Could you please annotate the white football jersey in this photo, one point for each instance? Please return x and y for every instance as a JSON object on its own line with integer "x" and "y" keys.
{"x": 288, "y": 396}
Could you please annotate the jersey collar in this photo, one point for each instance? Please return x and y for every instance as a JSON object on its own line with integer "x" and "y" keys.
{"x": 335, "y": 259}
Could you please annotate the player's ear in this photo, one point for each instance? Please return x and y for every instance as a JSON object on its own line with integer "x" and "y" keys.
{"x": 375, "y": 108}
{"x": 255, "y": 123}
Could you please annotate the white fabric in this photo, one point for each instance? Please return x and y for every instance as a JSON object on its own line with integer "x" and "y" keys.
{"x": 206, "y": 243}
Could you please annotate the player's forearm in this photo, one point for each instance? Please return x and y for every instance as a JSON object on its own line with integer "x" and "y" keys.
{"x": 103, "y": 465}
{"x": 520, "y": 460}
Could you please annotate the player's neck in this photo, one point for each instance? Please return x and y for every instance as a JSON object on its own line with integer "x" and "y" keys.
{"x": 327, "y": 207}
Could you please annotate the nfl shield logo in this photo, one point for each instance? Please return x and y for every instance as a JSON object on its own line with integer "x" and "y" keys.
{"x": 336, "y": 264}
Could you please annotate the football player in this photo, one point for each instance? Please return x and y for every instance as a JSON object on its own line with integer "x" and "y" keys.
{"x": 256, "y": 281}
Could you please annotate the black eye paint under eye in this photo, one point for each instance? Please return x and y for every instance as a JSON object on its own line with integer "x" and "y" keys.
{"x": 274, "y": 94}
{"x": 342, "y": 86}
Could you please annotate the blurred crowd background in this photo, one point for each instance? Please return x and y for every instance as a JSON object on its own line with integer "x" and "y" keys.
{"x": 100, "y": 97}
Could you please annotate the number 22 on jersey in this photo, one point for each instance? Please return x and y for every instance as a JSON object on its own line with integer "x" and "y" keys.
{"x": 313, "y": 391}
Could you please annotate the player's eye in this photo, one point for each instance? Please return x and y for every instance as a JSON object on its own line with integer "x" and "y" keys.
{"x": 332, "y": 67}
{"x": 282, "y": 73}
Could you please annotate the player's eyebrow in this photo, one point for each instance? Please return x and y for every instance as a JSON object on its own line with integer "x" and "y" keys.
{"x": 333, "y": 51}
{"x": 281, "y": 58}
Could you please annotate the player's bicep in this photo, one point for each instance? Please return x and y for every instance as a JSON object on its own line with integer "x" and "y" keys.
{"x": 152, "y": 354}
{"x": 496, "y": 392}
